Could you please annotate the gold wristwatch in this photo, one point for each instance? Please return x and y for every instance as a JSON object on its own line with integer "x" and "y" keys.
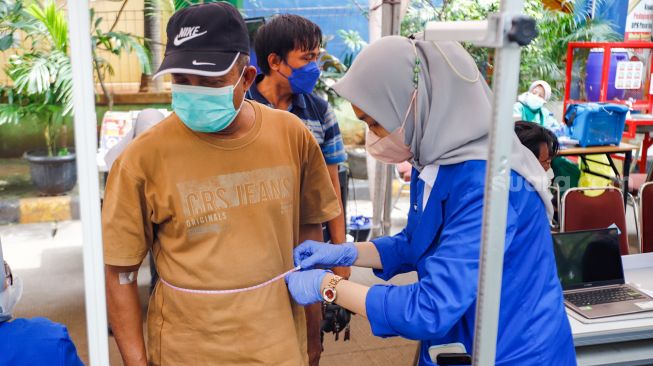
{"x": 329, "y": 293}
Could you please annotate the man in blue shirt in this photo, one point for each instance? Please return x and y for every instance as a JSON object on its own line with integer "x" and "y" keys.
{"x": 36, "y": 341}
{"x": 287, "y": 48}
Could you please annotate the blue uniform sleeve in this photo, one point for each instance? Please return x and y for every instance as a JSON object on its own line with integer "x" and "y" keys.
{"x": 68, "y": 352}
{"x": 391, "y": 250}
{"x": 558, "y": 128}
{"x": 429, "y": 308}
{"x": 333, "y": 148}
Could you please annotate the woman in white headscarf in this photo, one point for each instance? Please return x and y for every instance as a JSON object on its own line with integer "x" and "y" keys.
{"x": 530, "y": 108}
{"x": 409, "y": 93}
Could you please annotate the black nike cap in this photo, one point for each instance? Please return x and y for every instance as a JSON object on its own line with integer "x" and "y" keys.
{"x": 204, "y": 40}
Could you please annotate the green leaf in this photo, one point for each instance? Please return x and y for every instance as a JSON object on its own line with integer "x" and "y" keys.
{"x": 54, "y": 22}
{"x": 6, "y": 41}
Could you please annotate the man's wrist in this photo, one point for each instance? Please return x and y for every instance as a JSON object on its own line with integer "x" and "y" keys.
{"x": 344, "y": 272}
{"x": 338, "y": 238}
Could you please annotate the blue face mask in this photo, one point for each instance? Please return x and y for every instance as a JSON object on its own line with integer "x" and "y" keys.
{"x": 303, "y": 79}
{"x": 205, "y": 109}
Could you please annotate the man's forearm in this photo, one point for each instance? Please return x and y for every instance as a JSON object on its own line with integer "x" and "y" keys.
{"x": 336, "y": 229}
{"x": 125, "y": 316}
{"x": 310, "y": 232}
{"x": 336, "y": 226}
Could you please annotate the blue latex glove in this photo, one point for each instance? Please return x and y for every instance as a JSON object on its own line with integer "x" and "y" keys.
{"x": 304, "y": 286}
{"x": 310, "y": 254}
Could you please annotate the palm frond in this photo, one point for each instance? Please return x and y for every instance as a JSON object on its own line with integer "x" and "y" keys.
{"x": 117, "y": 42}
{"x": 63, "y": 85}
{"x": 155, "y": 7}
{"x": 54, "y": 21}
{"x": 30, "y": 73}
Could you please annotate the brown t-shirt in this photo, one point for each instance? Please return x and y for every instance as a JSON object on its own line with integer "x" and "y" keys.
{"x": 219, "y": 214}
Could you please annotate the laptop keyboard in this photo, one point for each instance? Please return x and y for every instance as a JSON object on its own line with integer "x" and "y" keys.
{"x": 603, "y": 296}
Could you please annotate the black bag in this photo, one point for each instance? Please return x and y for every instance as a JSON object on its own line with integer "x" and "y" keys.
{"x": 335, "y": 318}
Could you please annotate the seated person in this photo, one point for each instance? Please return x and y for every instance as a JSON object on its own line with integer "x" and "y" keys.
{"x": 540, "y": 141}
{"x": 530, "y": 107}
{"x": 544, "y": 145}
{"x": 36, "y": 341}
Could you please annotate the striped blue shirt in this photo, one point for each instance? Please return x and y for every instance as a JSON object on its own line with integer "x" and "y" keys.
{"x": 318, "y": 116}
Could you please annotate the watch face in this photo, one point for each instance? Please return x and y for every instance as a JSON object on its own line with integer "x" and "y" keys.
{"x": 329, "y": 294}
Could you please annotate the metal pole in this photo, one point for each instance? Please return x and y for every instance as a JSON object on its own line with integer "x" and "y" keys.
{"x": 3, "y": 275}
{"x": 382, "y": 198}
{"x": 89, "y": 192}
{"x": 497, "y": 183}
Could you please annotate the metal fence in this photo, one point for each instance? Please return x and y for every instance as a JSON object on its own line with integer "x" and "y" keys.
{"x": 331, "y": 19}
{"x": 127, "y": 71}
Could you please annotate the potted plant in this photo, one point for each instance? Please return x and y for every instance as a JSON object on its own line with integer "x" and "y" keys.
{"x": 41, "y": 89}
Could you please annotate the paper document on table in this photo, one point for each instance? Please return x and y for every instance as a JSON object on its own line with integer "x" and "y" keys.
{"x": 609, "y": 319}
{"x": 567, "y": 141}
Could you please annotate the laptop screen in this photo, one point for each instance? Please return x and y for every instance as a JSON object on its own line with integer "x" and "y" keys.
{"x": 588, "y": 258}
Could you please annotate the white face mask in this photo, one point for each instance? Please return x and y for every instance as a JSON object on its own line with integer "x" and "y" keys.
{"x": 534, "y": 101}
{"x": 549, "y": 174}
{"x": 9, "y": 298}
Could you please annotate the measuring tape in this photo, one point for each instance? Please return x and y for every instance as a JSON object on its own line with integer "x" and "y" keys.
{"x": 232, "y": 291}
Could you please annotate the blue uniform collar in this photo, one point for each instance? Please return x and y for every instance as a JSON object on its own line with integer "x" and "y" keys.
{"x": 298, "y": 100}
{"x": 431, "y": 219}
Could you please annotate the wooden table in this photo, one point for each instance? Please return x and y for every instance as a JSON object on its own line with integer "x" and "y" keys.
{"x": 623, "y": 148}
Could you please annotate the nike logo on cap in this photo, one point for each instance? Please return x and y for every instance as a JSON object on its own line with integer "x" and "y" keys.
{"x": 203, "y": 63}
{"x": 186, "y": 34}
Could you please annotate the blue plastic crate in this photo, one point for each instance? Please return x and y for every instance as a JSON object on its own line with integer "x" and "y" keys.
{"x": 596, "y": 124}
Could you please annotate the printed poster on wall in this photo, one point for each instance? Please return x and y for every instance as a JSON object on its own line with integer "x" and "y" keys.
{"x": 629, "y": 75}
{"x": 114, "y": 126}
{"x": 639, "y": 22}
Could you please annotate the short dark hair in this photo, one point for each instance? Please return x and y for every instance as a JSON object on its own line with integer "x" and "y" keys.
{"x": 282, "y": 34}
{"x": 533, "y": 135}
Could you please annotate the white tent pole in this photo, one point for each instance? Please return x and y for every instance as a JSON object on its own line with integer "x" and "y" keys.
{"x": 383, "y": 173}
{"x": 89, "y": 188}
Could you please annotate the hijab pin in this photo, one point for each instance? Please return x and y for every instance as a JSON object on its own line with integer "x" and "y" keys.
{"x": 416, "y": 68}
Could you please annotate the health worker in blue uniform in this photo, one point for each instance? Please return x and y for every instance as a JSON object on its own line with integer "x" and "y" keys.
{"x": 34, "y": 341}
{"x": 426, "y": 102}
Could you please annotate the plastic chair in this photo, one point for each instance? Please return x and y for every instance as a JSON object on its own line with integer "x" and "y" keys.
{"x": 402, "y": 173}
{"x": 635, "y": 183}
{"x": 646, "y": 207}
{"x": 555, "y": 223}
{"x": 582, "y": 212}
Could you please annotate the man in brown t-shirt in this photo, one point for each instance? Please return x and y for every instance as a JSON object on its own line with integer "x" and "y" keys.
{"x": 221, "y": 191}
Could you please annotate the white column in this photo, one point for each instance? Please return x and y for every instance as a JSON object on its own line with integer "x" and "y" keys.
{"x": 89, "y": 189}
{"x": 495, "y": 206}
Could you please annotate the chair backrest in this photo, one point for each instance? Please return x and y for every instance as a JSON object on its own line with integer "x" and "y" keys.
{"x": 583, "y": 212}
{"x": 646, "y": 217}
